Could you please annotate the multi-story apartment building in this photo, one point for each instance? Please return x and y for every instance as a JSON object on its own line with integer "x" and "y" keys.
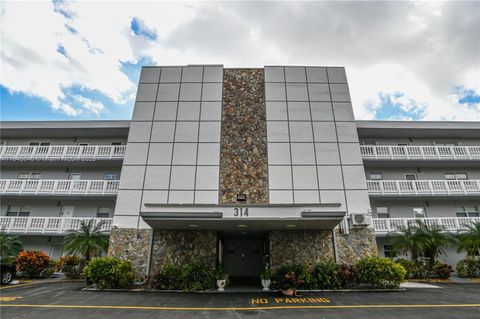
{"x": 243, "y": 167}
{"x": 55, "y": 174}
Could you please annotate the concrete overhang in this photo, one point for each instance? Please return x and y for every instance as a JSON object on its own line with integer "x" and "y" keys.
{"x": 39, "y": 129}
{"x": 418, "y": 129}
{"x": 243, "y": 217}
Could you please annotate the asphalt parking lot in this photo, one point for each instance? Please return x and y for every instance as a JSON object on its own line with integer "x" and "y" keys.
{"x": 67, "y": 300}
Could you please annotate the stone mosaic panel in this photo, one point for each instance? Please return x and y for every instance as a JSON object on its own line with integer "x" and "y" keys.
{"x": 357, "y": 244}
{"x": 306, "y": 247}
{"x": 133, "y": 245}
{"x": 181, "y": 247}
{"x": 243, "y": 162}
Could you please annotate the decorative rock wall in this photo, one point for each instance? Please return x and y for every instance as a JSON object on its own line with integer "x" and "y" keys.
{"x": 178, "y": 247}
{"x": 357, "y": 244}
{"x": 133, "y": 245}
{"x": 305, "y": 247}
{"x": 243, "y": 160}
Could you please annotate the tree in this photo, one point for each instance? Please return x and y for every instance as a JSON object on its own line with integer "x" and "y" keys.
{"x": 10, "y": 246}
{"x": 408, "y": 242}
{"x": 470, "y": 241}
{"x": 433, "y": 238}
{"x": 87, "y": 240}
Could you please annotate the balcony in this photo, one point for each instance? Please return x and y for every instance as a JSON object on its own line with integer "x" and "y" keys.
{"x": 58, "y": 187}
{"x": 423, "y": 152}
{"x": 61, "y": 152}
{"x": 423, "y": 187}
{"x": 453, "y": 224}
{"x": 48, "y": 225}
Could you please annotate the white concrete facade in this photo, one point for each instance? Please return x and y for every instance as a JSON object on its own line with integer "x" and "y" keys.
{"x": 167, "y": 159}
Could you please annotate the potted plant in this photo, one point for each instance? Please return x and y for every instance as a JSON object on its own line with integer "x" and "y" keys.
{"x": 266, "y": 278}
{"x": 222, "y": 278}
{"x": 290, "y": 283}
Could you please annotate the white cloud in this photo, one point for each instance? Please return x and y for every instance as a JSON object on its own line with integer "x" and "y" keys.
{"x": 421, "y": 49}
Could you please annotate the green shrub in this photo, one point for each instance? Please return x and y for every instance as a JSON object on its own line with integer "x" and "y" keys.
{"x": 325, "y": 275}
{"x": 107, "y": 272}
{"x": 71, "y": 266}
{"x": 442, "y": 271}
{"x": 347, "y": 275}
{"x": 301, "y": 273}
{"x": 410, "y": 267}
{"x": 468, "y": 268}
{"x": 34, "y": 264}
{"x": 190, "y": 277}
{"x": 381, "y": 272}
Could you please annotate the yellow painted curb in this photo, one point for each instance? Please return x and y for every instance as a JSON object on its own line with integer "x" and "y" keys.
{"x": 241, "y": 308}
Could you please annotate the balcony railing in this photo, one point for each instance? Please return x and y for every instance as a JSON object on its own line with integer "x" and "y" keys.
{"x": 61, "y": 152}
{"x": 42, "y": 225}
{"x": 421, "y": 152}
{"x": 423, "y": 187}
{"x": 454, "y": 224}
{"x": 58, "y": 187}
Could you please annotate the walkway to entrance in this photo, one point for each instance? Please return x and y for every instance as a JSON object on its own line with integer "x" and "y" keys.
{"x": 244, "y": 284}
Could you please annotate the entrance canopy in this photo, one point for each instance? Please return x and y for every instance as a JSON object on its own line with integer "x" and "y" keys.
{"x": 243, "y": 217}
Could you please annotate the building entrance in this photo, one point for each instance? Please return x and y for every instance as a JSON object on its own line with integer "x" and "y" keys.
{"x": 244, "y": 256}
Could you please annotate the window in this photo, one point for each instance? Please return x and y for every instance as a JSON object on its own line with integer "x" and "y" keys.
{"x": 443, "y": 143}
{"x": 39, "y": 144}
{"x": 456, "y": 176}
{"x": 388, "y": 251}
{"x": 28, "y": 175}
{"x": 103, "y": 212}
{"x": 75, "y": 176}
{"x": 20, "y": 211}
{"x": 419, "y": 212}
{"x": 383, "y": 212}
{"x": 109, "y": 176}
{"x": 83, "y": 143}
{"x": 468, "y": 211}
{"x": 116, "y": 143}
{"x": 2, "y": 143}
{"x": 410, "y": 176}
{"x": 376, "y": 176}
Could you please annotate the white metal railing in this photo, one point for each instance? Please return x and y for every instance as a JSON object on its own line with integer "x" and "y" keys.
{"x": 40, "y": 225}
{"x": 61, "y": 152}
{"x": 58, "y": 187}
{"x": 388, "y": 225}
{"x": 423, "y": 187}
{"x": 420, "y": 152}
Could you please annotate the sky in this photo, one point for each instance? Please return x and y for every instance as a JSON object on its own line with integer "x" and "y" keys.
{"x": 82, "y": 60}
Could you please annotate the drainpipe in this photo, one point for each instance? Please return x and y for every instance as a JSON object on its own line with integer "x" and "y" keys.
{"x": 335, "y": 250}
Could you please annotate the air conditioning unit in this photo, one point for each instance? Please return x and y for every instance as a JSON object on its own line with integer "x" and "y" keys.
{"x": 360, "y": 220}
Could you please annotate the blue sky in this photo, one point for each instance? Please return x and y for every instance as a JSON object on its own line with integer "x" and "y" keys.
{"x": 83, "y": 60}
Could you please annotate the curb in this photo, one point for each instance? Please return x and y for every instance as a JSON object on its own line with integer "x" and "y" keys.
{"x": 214, "y": 291}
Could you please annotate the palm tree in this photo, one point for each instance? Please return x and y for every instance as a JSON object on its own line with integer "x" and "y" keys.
{"x": 87, "y": 240}
{"x": 470, "y": 241}
{"x": 10, "y": 246}
{"x": 433, "y": 238}
{"x": 408, "y": 242}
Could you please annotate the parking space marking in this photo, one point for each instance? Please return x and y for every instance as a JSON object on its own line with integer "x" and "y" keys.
{"x": 9, "y": 298}
{"x": 242, "y": 308}
{"x": 14, "y": 286}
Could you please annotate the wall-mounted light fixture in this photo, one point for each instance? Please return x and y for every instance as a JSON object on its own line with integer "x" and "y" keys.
{"x": 241, "y": 197}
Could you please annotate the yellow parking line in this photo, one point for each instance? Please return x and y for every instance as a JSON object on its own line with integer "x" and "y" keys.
{"x": 238, "y": 308}
{"x": 14, "y": 286}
